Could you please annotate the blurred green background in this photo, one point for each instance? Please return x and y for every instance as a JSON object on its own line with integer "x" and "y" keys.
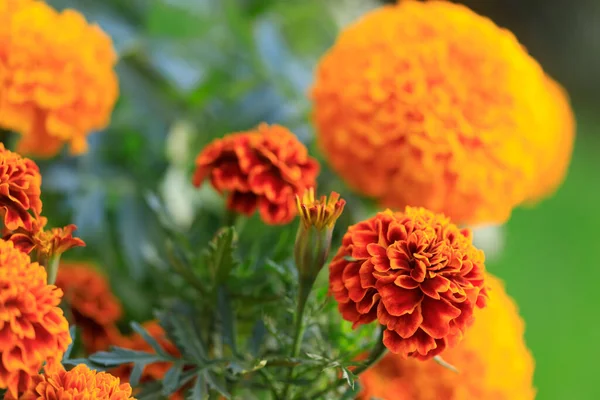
{"x": 191, "y": 70}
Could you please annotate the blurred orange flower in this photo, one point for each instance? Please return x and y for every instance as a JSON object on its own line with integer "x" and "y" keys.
{"x": 57, "y": 85}
{"x": 90, "y": 302}
{"x": 78, "y": 383}
{"x": 154, "y": 371}
{"x": 20, "y": 182}
{"x": 33, "y": 329}
{"x": 264, "y": 168}
{"x": 493, "y": 362}
{"x": 429, "y": 104}
{"x": 415, "y": 273}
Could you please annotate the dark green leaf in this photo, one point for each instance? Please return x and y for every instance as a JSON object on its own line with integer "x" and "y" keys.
{"x": 136, "y": 373}
{"x": 199, "y": 390}
{"x": 184, "y": 332}
{"x": 259, "y": 332}
{"x": 171, "y": 380}
{"x": 73, "y": 333}
{"x": 217, "y": 383}
{"x": 227, "y": 318}
{"x": 220, "y": 258}
{"x": 349, "y": 376}
{"x": 118, "y": 356}
{"x": 149, "y": 339}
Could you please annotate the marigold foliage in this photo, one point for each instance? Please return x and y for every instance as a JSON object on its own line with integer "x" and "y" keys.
{"x": 261, "y": 169}
{"x": 20, "y": 182}
{"x": 415, "y": 273}
{"x": 493, "y": 361}
{"x": 93, "y": 307}
{"x": 57, "y": 85}
{"x": 78, "y": 383}
{"x": 430, "y": 104}
{"x": 33, "y": 329}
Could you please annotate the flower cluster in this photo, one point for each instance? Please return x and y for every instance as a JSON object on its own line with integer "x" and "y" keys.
{"x": 79, "y": 383}
{"x": 56, "y": 85}
{"x": 430, "y": 104}
{"x": 414, "y": 272}
{"x": 90, "y": 303}
{"x": 33, "y": 329}
{"x": 493, "y": 362}
{"x": 264, "y": 168}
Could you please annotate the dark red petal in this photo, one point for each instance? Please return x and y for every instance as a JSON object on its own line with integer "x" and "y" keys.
{"x": 399, "y": 301}
{"x": 437, "y": 315}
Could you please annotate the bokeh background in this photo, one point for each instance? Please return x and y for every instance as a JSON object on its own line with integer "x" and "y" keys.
{"x": 191, "y": 70}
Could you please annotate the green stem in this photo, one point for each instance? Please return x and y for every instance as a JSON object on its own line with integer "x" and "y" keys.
{"x": 300, "y": 326}
{"x": 230, "y": 218}
{"x": 376, "y": 354}
{"x": 51, "y": 266}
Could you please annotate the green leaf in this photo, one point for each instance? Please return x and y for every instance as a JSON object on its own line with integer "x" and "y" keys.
{"x": 171, "y": 380}
{"x": 240, "y": 368}
{"x": 118, "y": 356}
{"x": 220, "y": 254}
{"x": 217, "y": 383}
{"x": 349, "y": 376}
{"x": 184, "y": 333}
{"x": 73, "y": 334}
{"x": 227, "y": 318}
{"x": 149, "y": 339}
{"x": 199, "y": 390}
{"x": 136, "y": 373}
{"x": 259, "y": 331}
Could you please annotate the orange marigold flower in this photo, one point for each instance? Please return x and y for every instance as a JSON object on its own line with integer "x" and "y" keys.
{"x": 20, "y": 182}
{"x": 416, "y": 273}
{"x": 263, "y": 168}
{"x": 33, "y": 329}
{"x": 93, "y": 307}
{"x": 320, "y": 213}
{"x": 57, "y": 86}
{"x": 430, "y": 104}
{"x": 78, "y": 383}
{"x": 493, "y": 362}
{"x": 154, "y": 371}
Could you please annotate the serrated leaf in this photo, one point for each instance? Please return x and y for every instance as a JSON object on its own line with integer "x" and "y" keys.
{"x": 182, "y": 330}
{"x": 349, "y": 377}
{"x": 84, "y": 361}
{"x": 171, "y": 379}
{"x": 117, "y": 356}
{"x": 199, "y": 391}
{"x": 216, "y": 382}
{"x": 136, "y": 373}
{"x": 148, "y": 339}
{"x": 220, "y": 258}
{"x": 227, "y": 318}
{"x": 259, "y": 331}
{"x": 317, "y": 357}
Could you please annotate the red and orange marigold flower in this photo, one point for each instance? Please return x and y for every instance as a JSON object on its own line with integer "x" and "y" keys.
{"x": 90, "y": 303}
{"x": 493, "y": 362}
{"x": 261, "y": 169}
{"x": 20, "y": 182}
{"x": 79, "y": 383}
{"x": 33, "y": 329}
{"x": 415, "y": 273}
{"x": 56, "y": 86}
{"x": 430, "y": 104}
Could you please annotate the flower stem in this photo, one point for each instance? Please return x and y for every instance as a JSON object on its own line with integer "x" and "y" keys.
{"x": 300, "y": 326}
{"x": 52, "y": 268}
{"x": 376, "y": 354}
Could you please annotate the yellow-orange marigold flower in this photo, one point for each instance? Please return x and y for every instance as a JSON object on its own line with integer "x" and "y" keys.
{"x": 415, "y": 273}
{"x": 33, "y": 329}
{"x": 154, "y": 371}
{"x": 56, "y": 86}
{"x": 432, "y": 105}
{"x": 264, "y": 168}
{"x": 20, "y": 182}
{"x": 78, "y": 383}
{"x": 90, "y": 302}
{"x": 321, "y": 213}
{"x": 493, "y": 362}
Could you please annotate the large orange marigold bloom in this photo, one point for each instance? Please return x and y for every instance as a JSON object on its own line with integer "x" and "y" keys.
{"x": 415, "y": 273}
{"x": 493, "y": 362}
{"x": 91, "y": 304}
{"x": 56, "y": 86}
{"x": 78, "y": 383}
{"x": 33, "y": 329}
{"x": 430, "y": 104}
{"x": 20, "y": 182}
{"x": 264, "y": 168}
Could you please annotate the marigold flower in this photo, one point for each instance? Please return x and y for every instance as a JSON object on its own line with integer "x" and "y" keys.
{"x": 430, "y": 104}
{"x": 78, "y": 383}
{"x": 313, "y": 240}
{"x": 493, "y": 362}
{"x": 20, "y": 182}
{"x": 414, "y": 272}
{"x": 57, "y": 86}
{"x": 263, "y": 168}
{"x": 33, "y": 329}
{"x": 90, "y": 302}
{"x": 154, "y": 371}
